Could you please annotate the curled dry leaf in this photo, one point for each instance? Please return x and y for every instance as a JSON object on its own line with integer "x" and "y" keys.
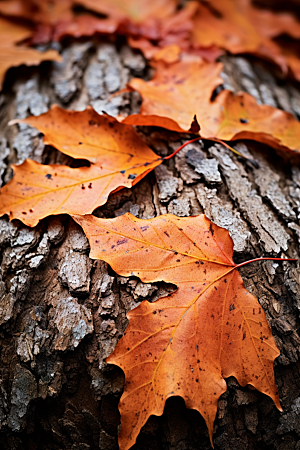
{"x": 12, "y": 55}
{"x": 119, "y": 155}
{"x": 185, "y": 344}
{"x": 184, "y": 89}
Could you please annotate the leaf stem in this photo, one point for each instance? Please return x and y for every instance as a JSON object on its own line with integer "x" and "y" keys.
{"x": 186, "y": 143}
{"x": 264, "y": 259}
{"x": 219, "y": 141}
{"x": 252, "y": 161}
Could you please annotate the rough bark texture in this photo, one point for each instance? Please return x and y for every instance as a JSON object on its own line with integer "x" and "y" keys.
{"x": 61, "y": 313}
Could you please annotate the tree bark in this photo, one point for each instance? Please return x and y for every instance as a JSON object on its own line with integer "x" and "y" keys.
{"x": 62, "y": 313}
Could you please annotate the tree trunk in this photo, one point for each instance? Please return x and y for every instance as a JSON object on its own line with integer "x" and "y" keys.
{"x": 62, "y": 313}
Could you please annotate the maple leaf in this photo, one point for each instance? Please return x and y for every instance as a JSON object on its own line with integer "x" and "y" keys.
{"x": 182, "y": 90}
{"x": 185, "y": 344}
{"x": 177, "y": 92}
{"x": 119, "y": 155}
{"x": 12, "y": 55}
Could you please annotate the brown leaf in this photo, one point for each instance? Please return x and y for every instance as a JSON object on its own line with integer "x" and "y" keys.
{"x": 119, "y": 155}
{"x": 12, "y": 55}
{"x": 182, "y": 90}
{"x": 185, "y": 344}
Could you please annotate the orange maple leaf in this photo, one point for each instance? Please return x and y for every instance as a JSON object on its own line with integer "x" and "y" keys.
{"x": 12, "y": 55}
{"x": 182, "y": 90}
{"x": 185, "y": 344}
{"x": 120, "y": 159}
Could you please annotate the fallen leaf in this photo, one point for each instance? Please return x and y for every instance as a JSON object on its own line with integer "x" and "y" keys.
{"x": 185, "y": 344}
{"x": 173, "y": 35}
{"x": 38, "y": 190}
{"x": 84, "y": 25}
{"x": 182, "y": 90}
{"x": 55, "y": 19}
{"x": 135, "y": 10}
{"x": 178, "y": 91}
{"x": 120, "y": 158}
{"x": 12, "y": 55}
{"x": 100, "y": 139}
{"x": 240, "y": 27}
{"x": 46, "y": 11}
{"x": 240, "y": 117}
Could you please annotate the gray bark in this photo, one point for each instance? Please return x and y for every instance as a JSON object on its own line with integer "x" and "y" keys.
{"x": 61, "y": 313}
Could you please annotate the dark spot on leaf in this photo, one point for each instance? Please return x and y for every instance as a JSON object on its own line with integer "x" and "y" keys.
{"x": 131, "y": 176}
{"x": 231, "y": 307}
{"x": 90, "y": 186}
{"x": 49, "y": 176}
{"x": 244, "y": 120}
{"x": 23, "y": 212}
{"x": 225, "y": 281}
{"x": 82, "y": 186}
{"x": 79, "y": 143}
{"x": 122, "y": 241}
{"x": 166, "y": 233}
{"x": 123, "y": 171}
{"x": 144, "y": 228}
{"x": 244, "y": 335}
